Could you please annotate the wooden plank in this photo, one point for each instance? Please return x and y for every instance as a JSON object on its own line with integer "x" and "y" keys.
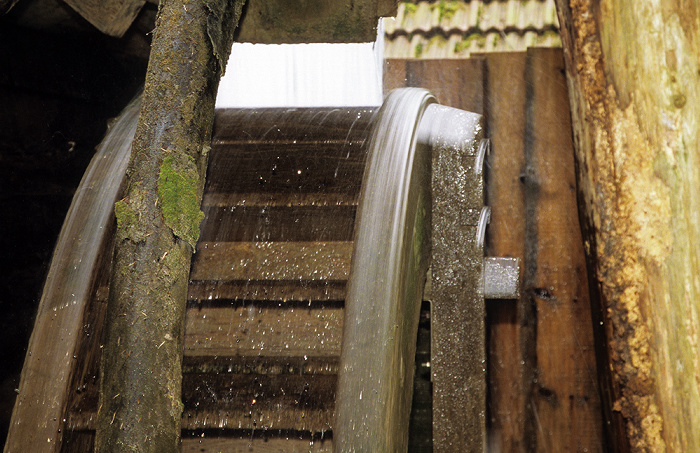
{"x": 394, "y": 74}
{"x": 263, "y": 365}
{"x": 279, "y": 199}
{"x": 565, "y": 395}
{"x": 206, "y": 443}
{"x": 299, "y": 167}
{"x": 506, "y": 100}
{"x": 347, "y": 126}
{"x": 245, "y": 329}
{"x": 212, "y": 442}
{"x": 456, "y": 83}
{"x": 290, "y": 290}
{"x": 269, "y": 402}
{"x": 246, "y": 261}
{"x": 280, "y": 21}
{"x": 277, "y": 223}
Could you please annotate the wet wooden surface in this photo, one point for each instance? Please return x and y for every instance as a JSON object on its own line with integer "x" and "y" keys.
{"x": 265, "y": 312}
{"x": 542, "y": 379}
{"x": 507, "y": 402}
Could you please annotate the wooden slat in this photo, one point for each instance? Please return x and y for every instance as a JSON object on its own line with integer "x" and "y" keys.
{"x": 277, "y": 223}
{"x": 565, "y": 394}
{"x": 303, "y": 330}
{"x": 260, "y": 365}
{"x": 112, "y": 17}
{"x": 542, "y": 373}
{"x": 300, "y": 167}
{"x": 254, "y": 444}
{"x": 506, "y": 97}
{"x": 295, "y": 290}
{"x": 456, "y": 83}
{"x": 279, "y": 199}
{"x": 272, "y": 261}
{"x": 349, "y": 125}
{"x": 249, "y": 401}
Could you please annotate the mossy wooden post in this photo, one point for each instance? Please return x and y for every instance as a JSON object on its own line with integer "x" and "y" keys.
{"x": 633, "y": 72}
{"x": 157, "y": 228}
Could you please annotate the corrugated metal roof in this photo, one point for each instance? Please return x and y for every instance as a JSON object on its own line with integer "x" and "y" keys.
{"x": 454, "y": 29}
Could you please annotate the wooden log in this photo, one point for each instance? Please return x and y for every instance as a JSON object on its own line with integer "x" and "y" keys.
{"x": 157, "y": 228}
{"x": 632, "y": 71}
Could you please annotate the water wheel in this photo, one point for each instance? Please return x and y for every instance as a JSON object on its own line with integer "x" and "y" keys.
{"x": 304, "y": 294}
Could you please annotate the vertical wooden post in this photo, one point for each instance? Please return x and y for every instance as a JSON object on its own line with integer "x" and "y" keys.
{"x": 158, "y": 220}
{"x": 632, "y": 69}
{"x": 542, "y": 372}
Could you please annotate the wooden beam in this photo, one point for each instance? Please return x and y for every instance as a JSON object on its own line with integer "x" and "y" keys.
{"x": 632, "y": 70}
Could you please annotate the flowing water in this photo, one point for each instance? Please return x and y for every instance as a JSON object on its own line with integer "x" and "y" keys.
{"x": 59, "y": 325}
{"x": 266, "y": 308}
{"x": 87, "y": 222}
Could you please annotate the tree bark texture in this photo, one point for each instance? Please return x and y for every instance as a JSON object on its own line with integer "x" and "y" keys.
{"x": 157, "y": 228}
{"x": 633, "y": 70}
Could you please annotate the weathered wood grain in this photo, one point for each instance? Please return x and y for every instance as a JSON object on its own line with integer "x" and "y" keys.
{"x": 565, "y": 394}
{"x": 254, "y": 444}
{"x": 506, "y": 100}
{"x": 285, "y": 330}
{"x": 112, "y": 17}
{"x": 632, "y": 71}
{"x": 246, "y": 261}
{"x": 267, "y": 402}
{"x": 277, "y": 223}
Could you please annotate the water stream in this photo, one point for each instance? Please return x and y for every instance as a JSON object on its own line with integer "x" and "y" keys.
{"x": 86, "y": 225}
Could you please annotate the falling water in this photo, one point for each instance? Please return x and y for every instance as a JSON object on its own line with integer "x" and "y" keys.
{"x": 39, "y": 408}
{"x": 86, "y": 225}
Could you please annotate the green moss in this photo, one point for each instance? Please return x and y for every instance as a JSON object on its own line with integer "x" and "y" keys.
{"x": 446, "y": 9}
{"x": 419, "y": 50}
{"x": 409, "y": 8}
{"x": 177, "y": 189}
{"x": 467, "y": 43}
{"x": 127, "y": 211}
{"x": 479, "y": 13}
{"x": 127, "y": 218}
